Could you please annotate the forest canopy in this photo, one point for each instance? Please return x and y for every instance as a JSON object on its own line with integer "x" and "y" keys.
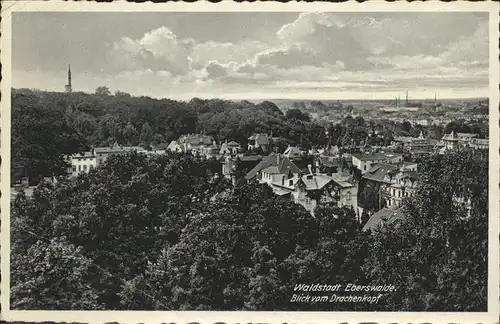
{"x": 164, "y": 233}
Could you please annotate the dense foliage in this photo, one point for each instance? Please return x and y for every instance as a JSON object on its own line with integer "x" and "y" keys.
{"x": 163, "y": 233}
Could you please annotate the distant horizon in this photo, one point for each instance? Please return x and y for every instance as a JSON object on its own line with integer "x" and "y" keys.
{"x": 419, "y": 99}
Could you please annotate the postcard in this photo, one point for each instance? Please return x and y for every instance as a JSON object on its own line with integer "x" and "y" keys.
{"x": 250, "y": 162}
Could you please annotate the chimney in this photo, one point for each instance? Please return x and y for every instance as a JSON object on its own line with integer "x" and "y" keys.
{"x": 278, "y": 159}
{"x": 309, "y": 167}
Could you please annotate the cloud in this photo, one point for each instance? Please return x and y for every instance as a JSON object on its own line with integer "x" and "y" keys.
{"x": 158, "y": 49}
{"x": 216, "y": 71}
{"x": 372, "y": 51}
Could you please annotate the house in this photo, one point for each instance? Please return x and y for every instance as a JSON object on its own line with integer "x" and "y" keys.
{"x": 466, "y": 138}
{"x": 307, "y": 189}
{"x": 272, "y": 160}
{"x": 383, "y": 217}
{"x": 194, "y": 142}
{"x": 158, "y": 149}
{"x": 261, "y": 141}
{"x": 208, "y": 151}
{"x": 327, "y": 164}
{"x": 449, "y": 142}
{"x": 293, "y": 152}
{"x": 479, "y": 143}
{"x": 412, "y": 143}
{"x": 364, "y": 162}
{"x": 174, "y": 146}
{"x": 102, "y": 153}
{"x": 378, "y": 172}
{"x": 371, "y": 186}
{"x": 231, "y": 148}
{"x": 82, "y": 162}
{"x": 273, "y": 168}
{"x": 311, "y": 190}
{"x": 397, "y": 186}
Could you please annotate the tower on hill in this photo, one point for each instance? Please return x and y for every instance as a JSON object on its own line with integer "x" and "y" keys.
{"x": 68, "y": 87}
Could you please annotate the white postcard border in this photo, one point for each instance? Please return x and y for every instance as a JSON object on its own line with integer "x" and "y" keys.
{"x": 252, "y": 317}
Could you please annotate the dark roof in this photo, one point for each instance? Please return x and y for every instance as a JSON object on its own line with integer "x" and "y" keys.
{"x": 375, "y": 156}
{"x": 161, "y": 146}
{"x": 248, "y": 158}
{"x": 379, "y": 171}
{"x": 83, "y": 155}
{"x": 283, "y": 165}
{"x": 196, "y": 139}
{"x": 117, "y": 149}
{"x": 382, "y": 217}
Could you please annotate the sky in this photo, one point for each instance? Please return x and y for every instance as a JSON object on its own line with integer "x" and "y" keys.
{"x": 255, "y": 55}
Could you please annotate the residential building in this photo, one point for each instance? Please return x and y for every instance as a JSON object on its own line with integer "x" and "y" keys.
{"x": 412, "y": 143}
{"x": 449, "y": 142}
{"x": 174, "y": 146}
{"x": 208, "y": 151}
{"x": 231, "y": 148}
{"x": 191, "y": 143}
{"x": 364, "y": 162}
{"x": 392, "y": 183}
{"x": 102, "y": 153}
{"x": 466, "y": 138}
{"x": 86, "y": 161}
{"x": 82, "y": 162}
{"x": 397, "y": 186}
{"x": 479, "y": 143}
{"x": 261, "y": 141}
{"x": 308, "y": 190}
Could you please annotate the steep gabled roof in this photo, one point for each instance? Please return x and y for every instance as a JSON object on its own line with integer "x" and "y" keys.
{"x": 283, "y": 165}
{"x": 379, "y": 171}
{"x": 315, "y": 182}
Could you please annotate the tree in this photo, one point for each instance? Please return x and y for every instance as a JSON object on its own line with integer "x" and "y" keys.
{"x": 146, "y": 136}
{"x": 41, "y": 137}
{"x": 120, "y": 94}
{"x": 297, "y": 114}
{"x": 53, "y": 275}
{"x": 130, "y": 134}
{"x": 102, "y": 91}
{"x": 425, "y": 257}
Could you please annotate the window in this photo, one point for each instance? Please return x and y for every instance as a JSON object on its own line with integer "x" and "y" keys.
{"x": 91, "y": 167}
{"x": 74, "y": 168}
{"x": 79, "y": 168}
{"x": 85, "y": 167}
{"x": 364, "y": 168}
{"x": 290, "y": 182}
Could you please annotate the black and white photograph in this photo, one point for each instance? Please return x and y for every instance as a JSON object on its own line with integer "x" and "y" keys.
{"x": 277, "y": 161}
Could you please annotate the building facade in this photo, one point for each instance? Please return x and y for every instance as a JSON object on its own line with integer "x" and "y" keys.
{"x": 364, "y": 162}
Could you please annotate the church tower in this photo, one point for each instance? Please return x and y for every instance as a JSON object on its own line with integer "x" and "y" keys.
{"x": 68, "y": 87}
